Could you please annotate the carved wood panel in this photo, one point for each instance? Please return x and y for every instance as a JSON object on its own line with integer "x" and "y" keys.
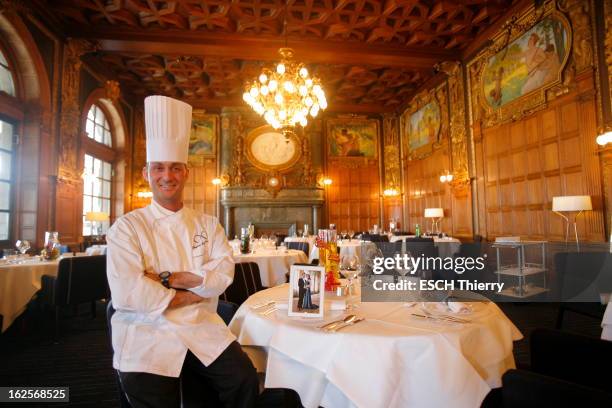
{"x": 352, "y": 201}
{"x": 523, "y": 165}
{"x": 200, "y": 193}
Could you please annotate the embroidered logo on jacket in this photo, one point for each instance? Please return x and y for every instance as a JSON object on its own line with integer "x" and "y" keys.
{"x": 199, "y": 242}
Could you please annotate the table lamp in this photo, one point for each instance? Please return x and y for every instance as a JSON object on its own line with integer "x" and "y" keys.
{"x": 571, "y": 205}
{"x": 436, "y": 214}
{"x": 94, "y": 217}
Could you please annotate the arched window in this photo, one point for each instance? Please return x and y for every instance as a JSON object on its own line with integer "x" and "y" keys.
{"x": 7, "y": 153}
{"x": 98, "y": 173}
{"x": 97, "y": 127}
{"x": 6, "y": 76}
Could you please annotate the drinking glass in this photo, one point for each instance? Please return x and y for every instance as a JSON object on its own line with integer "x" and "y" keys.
{"x": 299, "y": 233}
{"x": 351, "y": 234}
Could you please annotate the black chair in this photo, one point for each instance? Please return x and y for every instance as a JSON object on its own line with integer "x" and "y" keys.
{"x": 280, "y": 239}
{"x": 226, "y": 310}
{"x": 375, "y": 237}
{"x": 562, "y": 373}
{"x": 79, "y": 280}
{"x": 583, "y": 276}
{"x": 300, "y": 246}
{"x": 246, "y": 282}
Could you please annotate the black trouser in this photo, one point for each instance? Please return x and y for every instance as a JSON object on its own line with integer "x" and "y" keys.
{"x": 231, "y": 375}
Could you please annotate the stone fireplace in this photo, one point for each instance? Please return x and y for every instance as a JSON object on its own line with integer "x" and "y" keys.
{"x": 290, "y": 207}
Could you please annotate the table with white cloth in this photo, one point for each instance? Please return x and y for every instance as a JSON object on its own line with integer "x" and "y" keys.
{"x": 18, "y": 283}
{"x": 273, "y": 263}
{"x": 447, "y": 247}
{"x": 348, "y": 248}
{"x": 391, "y": 359}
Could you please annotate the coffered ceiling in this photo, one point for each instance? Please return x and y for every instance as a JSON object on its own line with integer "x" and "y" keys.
{"x": 370, "y": 55}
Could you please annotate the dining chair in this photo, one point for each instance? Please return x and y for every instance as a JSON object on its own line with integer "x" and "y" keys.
{"x": 300, "y": 246}
{"x": 79, "y": 280}
{"x": 246, "y": 282}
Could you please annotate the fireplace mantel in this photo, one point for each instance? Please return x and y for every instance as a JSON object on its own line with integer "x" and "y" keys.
{"x": 294, "y": 206}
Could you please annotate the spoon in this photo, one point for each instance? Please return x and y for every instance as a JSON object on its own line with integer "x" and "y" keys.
{"x": 348, "y": 319}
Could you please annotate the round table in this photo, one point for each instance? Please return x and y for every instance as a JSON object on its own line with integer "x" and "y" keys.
{"x": 273, "y": 264}
{"x": 18, "y": 283}
{"x": 391, "y": 359}
{"x": 347, "y": 247}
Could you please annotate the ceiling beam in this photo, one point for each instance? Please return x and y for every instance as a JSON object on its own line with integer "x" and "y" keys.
{"x": 259, "y": 48}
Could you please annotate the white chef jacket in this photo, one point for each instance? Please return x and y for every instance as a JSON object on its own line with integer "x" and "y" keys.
{"x": 146, "y": 336}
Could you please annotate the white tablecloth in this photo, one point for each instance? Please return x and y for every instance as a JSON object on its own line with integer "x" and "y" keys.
{"x": 447, "y": 247}
{"x": 273, "y": 264}
{"x": 348, "y": 248}
{"x": 391, "y": 359}
{"x": 18, "y": 283}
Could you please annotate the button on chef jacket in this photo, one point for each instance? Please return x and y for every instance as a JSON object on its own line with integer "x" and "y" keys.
{"x": 146, "y": 336}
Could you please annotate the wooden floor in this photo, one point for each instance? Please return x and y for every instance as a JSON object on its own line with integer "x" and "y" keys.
{"x": 82, "y": 359}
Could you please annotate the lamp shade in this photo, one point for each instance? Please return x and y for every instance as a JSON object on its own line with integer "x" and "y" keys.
{"x": 96, "y": 216}
{"x": 434, "y": 212}
{"x": 572, "y": 203}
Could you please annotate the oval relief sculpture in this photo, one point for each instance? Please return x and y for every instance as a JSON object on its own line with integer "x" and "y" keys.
{"x": 268, "y": 149}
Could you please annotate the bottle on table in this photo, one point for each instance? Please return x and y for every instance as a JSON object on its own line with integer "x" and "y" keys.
{"x": 417, "y": 231}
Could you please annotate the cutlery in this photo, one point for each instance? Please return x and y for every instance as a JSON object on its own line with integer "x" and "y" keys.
{"x": 342, "y": 326}
{"x": 447, "y": 317}
{"x": 262, "y": 305}
{"x": 267, "y": 312}
{"x": 442, "y": 318}
{"x": 331, "y": 325}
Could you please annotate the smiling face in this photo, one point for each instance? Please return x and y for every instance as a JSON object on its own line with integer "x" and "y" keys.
{"x": 167, "y": 180}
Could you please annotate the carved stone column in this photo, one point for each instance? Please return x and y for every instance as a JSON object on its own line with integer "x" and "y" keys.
{"x": 315, "y": 219}
{"x": 227, "y": 220}
{"x": 70, "y": 111}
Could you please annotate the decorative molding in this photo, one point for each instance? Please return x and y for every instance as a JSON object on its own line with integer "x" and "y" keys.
{"x": 70, "y": 111}
{"x": 391, "y": 151}
{"x": 112, "y": 90}
{"x": 579, "y": 14}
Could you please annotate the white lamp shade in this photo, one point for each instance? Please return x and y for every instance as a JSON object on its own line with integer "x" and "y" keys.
{"x": 572, "y": 203}
{"x": 96, "y": 216}
{"x": 434, "y": 212}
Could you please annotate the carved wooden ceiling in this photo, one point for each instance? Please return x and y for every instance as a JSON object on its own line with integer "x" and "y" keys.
{"x": 371, "y": 55}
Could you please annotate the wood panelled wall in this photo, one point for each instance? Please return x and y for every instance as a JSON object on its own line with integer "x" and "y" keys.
{"x": 200, "y": 193}
{"x": 522, "y": 165}
{"x": 353, "y": 199}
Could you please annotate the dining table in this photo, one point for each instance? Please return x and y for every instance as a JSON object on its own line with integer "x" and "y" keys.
{"x": 348, "y": 248}
{"x": 19, "y": 282}
{"x": 392, "y": 358}
{"x": 273, "y": 263}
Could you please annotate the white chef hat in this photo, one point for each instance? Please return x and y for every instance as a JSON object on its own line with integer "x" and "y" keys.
{"x": 168, "y": 125}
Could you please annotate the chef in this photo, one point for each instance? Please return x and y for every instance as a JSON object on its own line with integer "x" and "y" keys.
{"x": 167, "y": 265}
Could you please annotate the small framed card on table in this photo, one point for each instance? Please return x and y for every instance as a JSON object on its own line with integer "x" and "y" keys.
{"x": 306, "y": 291}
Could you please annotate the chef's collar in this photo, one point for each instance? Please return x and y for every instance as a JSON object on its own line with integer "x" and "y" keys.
{"x": 161, "y": 212}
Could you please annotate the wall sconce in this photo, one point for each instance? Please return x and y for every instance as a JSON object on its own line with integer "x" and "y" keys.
{"x": 216, "y": 181}
{"x": 273, "y": 182}
{"x": 604, "y": 138}
{"x": 327, "y": 181}
{"x": 391, "y": 192}
{"x": 446, "y": 178}
{"x": 144, "y": 194}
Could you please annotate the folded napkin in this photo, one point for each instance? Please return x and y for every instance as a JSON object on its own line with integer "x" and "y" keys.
{"x": 459, "y": 307}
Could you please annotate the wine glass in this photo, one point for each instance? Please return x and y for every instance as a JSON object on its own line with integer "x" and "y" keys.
{"x": 343, "y": 234}
{"x": 351, "y": 234}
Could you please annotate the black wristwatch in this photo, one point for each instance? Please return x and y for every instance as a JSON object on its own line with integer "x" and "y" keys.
{"x": 165, "y": 278}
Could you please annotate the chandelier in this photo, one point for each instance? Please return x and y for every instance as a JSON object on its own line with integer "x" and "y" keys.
{"x": 287, "y": 95}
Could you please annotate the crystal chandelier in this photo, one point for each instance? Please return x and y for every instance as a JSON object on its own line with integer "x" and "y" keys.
{"x": 287, "y": 95}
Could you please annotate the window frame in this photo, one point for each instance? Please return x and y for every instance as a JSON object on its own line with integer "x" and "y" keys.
{"x": 98, "y": 151}
{"x": 12, "y": 111}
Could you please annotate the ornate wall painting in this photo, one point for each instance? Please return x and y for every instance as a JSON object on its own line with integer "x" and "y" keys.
{"x": 203, "y": 137}
{"x": 352, "y": 138}
{"x": 269, "y": 150}
{"x": 511, "y": 77}
{"x": 422, "y": 124}
{"x": 529, "y": 62}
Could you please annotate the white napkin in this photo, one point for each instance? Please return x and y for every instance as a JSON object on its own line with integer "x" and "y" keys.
{"x": 459, "y": 307}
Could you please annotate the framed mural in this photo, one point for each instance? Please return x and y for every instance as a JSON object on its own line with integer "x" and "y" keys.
{"x": 352, "y": 138}
{"x": 422, "y": 123}
{"x": 512, "y": 76}
{"x": 268, "y": 149}
{"x": 203, "y": 137}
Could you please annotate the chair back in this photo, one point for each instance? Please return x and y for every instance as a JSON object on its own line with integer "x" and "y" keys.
{"x": 300, "y": 246}
{"x": 375, "y": 237}
{"x": 246, "y": 282}
{"x": 81, "y": 279}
